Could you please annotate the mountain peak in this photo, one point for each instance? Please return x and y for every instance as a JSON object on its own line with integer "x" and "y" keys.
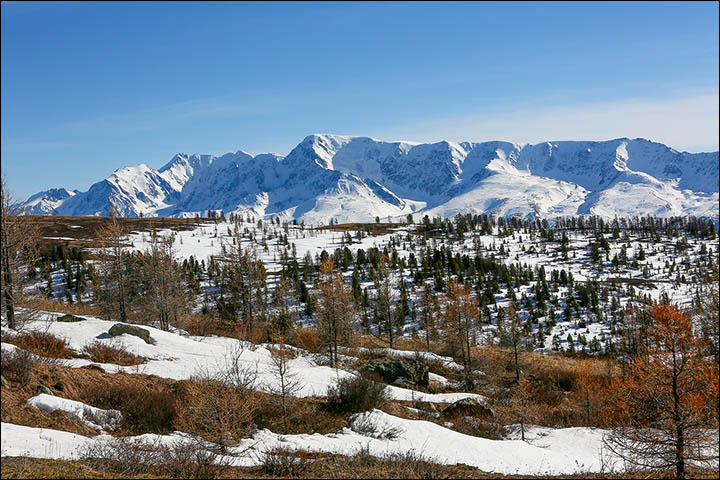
{"x": 354, "y": 178}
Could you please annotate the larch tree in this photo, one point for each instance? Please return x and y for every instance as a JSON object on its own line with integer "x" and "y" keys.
{"x": 335, "y": 308}
{"x": 460, "y": 316}
{"x": 384, "y": 298}
{"x": 19, "y": 239}
{"x": 287, "y": 381}
{"x": 707, "y": 307}
{"x": 163, "y": 289}
{"x": 513, "y": 333}
{"x": 666, "y": 408}
{"x": 113, "y": 276}
{"x": 429, "y": 313}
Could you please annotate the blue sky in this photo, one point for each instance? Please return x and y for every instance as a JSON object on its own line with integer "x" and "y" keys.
{"x": 88, "y": 88}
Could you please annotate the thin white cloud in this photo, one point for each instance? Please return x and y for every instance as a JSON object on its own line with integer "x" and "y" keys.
{"x": 684, "y": 123}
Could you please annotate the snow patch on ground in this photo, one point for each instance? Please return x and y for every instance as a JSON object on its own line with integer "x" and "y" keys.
{"x": 94, "y": 417}
{"x": 565, "y": 451}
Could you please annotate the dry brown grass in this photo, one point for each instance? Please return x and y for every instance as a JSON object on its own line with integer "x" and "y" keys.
{"x": 206, "y": 325}
{"x": 46, "y": 305}
{"x": 17, "y": 365}
{"x": 24, "y": 467}
{"x": 14, "y": 407}
{"x": 147, "y": 405}
{"x": 146, "y": 402}
{"x": 305, "y": 415}
{"x": 42, "y": 344}
{"x": 317, "y": 466}
{"x": 104, "y": 353}
{"x": 202, "y": 325}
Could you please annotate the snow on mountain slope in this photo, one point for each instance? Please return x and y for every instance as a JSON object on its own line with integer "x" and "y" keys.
{"x": 359, "y": 178}
{"x": 131, "y": 191}
{"x": 507, "y": 195}
{"x": 44, "y": 203}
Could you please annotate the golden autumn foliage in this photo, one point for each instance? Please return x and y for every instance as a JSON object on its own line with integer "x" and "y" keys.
{"x": 665, "y": 411}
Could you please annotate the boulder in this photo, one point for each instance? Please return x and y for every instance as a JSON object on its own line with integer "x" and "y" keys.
{"x": 467, "y": 407}
{"x": 392, "y": 368}
{"x": 43, "y": 389}
{"x": 121, "y": 328}
{"x": 69, "y": 318}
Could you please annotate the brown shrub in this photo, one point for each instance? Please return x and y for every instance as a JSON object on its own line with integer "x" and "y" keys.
{"x": 307, "y": 415}
{"x": 42, "y": 344}
{"x": 133, "y": 457}
{"x": 569, "y": 391}
{"x": 144, "y": 409}
{"x": 355, "y": 394}
{"x": 17, "y": 365}
{"x": 307, "y": 339}
{"x": 283, "y": 462}
{"x": 104, "y": 353}
{"x": 215, "y": 410}
{"x": 203, "y": 325}
{"x": 362, "y": 464}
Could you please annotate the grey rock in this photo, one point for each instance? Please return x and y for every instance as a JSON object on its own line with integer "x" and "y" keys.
{"x": 468, "y": 407}
{"x": 43, "y": 389}
{"x": 392, "y": 368}
{"x": 121, "y": 328}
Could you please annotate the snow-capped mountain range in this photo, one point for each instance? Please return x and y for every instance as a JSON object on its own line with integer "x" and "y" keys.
{"x": 349, "y": 179}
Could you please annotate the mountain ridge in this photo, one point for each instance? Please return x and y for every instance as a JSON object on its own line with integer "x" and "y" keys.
{"x": 352, "y": 178}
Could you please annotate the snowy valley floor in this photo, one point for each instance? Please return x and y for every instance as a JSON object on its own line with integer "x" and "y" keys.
{"x": 374, "y": 433}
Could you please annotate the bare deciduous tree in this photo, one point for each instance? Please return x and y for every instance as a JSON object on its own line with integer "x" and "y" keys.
{"x": 512, "y": 333}
{"x": 335, "y": 308}
{"x": 112, "y": 276}
{"x": 19, "y": 248}
{"x": 163, "y": 295}
{"x": 461, "y": 312}
{"x": 429, "y": 312}
{"x": 288, "y": 383}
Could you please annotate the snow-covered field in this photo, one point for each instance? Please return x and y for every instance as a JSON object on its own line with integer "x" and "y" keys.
{"x": 564, "y": 451}
{"x": 181, "y": 357}
{"x": 561, "y": 451}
